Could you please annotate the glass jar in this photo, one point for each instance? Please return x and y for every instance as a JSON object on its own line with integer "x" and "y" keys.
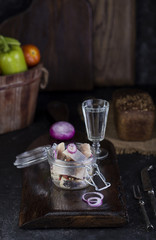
{"x": 72, "y": 175}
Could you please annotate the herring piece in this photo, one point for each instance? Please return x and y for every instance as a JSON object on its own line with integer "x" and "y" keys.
{"x": 65, "y": 183}
{"x": 69, "y": 183}
{"x": 60, "y": 148}
{"x": 77, "y": 156}
{"x": 85, "y": 149}
{"x": 64, "y": 169}
{"x": 55, "y": 176}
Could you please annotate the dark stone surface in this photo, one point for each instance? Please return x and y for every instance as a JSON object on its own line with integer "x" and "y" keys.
{"x": 16, "y": 142}
{"x": 145, "y": 35}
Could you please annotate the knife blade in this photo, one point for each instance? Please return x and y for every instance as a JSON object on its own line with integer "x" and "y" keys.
{"x": 147, "y": 186}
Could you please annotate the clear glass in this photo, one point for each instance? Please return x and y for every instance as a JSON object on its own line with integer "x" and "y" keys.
{"x": 95, "y": 112}
{"x": 70, "y": 175}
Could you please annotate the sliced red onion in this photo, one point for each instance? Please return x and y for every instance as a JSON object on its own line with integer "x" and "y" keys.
{"x": 92, "y": 193}
{"x": 62, "y": 130}
{"x": 55, "y": 154}
{"x": 93, "y": 201}
{"x": 71, "y": 148}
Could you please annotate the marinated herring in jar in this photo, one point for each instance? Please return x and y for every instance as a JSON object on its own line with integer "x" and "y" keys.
{"x": 71, "y": 165}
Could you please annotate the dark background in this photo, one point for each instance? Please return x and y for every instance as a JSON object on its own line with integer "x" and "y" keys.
{"x": 145, "y": 61}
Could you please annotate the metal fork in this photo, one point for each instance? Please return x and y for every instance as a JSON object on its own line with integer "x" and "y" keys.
{"x": 138, "y": 196}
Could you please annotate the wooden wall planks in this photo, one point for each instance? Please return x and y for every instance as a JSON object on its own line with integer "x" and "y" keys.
{"x": 78, "y": 54}
{"x": 62, "y": 29}
{"x": 113, "y": 41}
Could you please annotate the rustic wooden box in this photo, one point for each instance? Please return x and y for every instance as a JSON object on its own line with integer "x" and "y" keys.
{"x": 18, "y": 96}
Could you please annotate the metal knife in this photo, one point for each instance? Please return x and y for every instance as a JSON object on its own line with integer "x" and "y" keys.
{"x": 147, "y": 186}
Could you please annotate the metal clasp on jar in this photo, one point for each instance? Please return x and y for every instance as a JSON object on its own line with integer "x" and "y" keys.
{"x": 96, "y": 173}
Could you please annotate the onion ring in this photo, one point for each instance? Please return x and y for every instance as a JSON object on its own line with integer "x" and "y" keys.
{"x": 71, "y": 148}
{"x": 93, "y": 201}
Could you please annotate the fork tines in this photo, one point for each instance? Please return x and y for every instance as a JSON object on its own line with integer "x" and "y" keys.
{"x": 137, "y": 192}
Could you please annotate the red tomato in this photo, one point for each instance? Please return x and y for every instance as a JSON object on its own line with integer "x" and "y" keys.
{"x": 31, "y": 54}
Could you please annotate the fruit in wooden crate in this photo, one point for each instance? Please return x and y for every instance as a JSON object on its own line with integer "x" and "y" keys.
{"x": 32, "y": 54}
{"x": 11, "y": 56}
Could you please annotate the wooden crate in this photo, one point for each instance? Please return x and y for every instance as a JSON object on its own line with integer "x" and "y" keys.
{"x": 18, "y": 96}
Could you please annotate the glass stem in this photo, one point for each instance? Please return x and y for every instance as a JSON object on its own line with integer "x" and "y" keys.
{"x": 96, "y": 147}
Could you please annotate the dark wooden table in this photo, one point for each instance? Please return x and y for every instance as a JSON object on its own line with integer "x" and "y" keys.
{"x": 16, "y": 142}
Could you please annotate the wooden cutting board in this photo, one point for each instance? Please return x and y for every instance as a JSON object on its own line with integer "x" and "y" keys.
{"x": 62, "y": 29}
{"x": 45, "y": 206}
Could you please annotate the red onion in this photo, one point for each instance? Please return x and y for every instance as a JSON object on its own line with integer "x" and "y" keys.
{"x": 93, "y": 201}
{"x": 55, "y": 154}
{"x": 62, "y": 130}
{"x": 71, "y": 148}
